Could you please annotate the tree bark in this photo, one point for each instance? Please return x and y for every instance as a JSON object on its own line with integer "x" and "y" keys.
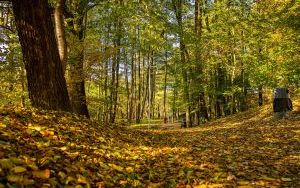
{"x": 76, "y": 83}
{"x": 177, "y": 5}
{"x": 138, "y": 110}
{"x": 46, "y": 83}
{"x": 202, "y": 108}
{"x": 260, "y": 95}
{"x": 132, "y": 87}
{"x": 165, "y": 88}
{"x": 60, "y": 32}
{"x": 76, "y": 60}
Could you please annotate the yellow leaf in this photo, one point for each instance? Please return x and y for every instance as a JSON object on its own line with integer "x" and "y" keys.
{"x": 81, "y": 179}
{"x": 19, "y": 169}
{"x": 6, "y": 163}
{"x": 268, "y": 178}
{"x": 123, "y": 182}
{"x": 33, "y": 166}
{"x": 14, "y": 178}
{"x": 2, "y": 125}
{"x": 43, "y": 174}
{"x": 16, "y": 161}
{"x": 62, "y": 175}
{"x": 243, "y": 182}
{"x": 129, "y": 169}
{"x": 27, "y": 181}
{"x": 286, "y": 179}
{"x": 69, "y": 179}
{"x": 63, "y": 148}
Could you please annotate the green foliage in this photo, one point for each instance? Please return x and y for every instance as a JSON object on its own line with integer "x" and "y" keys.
{"x": 12, "y": 74}
{"x": 240, "y": 45}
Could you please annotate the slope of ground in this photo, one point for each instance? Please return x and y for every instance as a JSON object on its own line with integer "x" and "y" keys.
{"x": 52, "y": 149}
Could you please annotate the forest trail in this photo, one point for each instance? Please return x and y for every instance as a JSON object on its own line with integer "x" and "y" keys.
{"x": 250, "y": 149}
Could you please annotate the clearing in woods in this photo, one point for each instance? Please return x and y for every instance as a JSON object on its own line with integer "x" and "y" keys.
{"x": 57, "y": 149}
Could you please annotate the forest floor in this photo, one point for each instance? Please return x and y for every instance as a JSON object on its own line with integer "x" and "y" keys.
{"x": 55, "y": 149}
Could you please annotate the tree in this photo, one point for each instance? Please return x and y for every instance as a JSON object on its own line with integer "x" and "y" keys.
{"x": 76, "y": 15}
{"x": 60, "y": 31}
{"x": 178, "y": 11}
{"x": 46, "y": 83}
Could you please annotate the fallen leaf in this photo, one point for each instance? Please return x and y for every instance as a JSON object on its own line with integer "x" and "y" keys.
{"x": 81, "y": 179}
{"x": 19, "y": 169}
{"x": 6, "y": 163}
{"x": 286, "y": 179}
{"x": 43, "y": 174}
{"x": 14, "y": 178}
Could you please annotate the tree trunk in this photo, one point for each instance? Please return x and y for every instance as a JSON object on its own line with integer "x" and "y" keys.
{"x": 132, "y": 87}
{"x": 46, "y": 83}
{"x": 76, "y": 83}
{"x": 220, "y": 83}
{"x": 115, "y": 81}
{"x": 138, "y": 109}
{"x": 60, "y": 32}
{"x": 177, "y": 5}
{"x": 76, "y": 58}
{"x": 165, "y": 88}
{"x": 198, "y": 31}
{"x": 127, "y": 85}
{"x": 260, "y": 96}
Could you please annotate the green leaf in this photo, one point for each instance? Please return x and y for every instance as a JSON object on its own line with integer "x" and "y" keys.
{"x": 19, "y": 169}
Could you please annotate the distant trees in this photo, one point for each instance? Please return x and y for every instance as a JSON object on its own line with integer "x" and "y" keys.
{"x": 129, "y": 60}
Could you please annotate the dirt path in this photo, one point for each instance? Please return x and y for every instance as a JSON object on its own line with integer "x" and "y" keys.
{"x": 248, "y": 150}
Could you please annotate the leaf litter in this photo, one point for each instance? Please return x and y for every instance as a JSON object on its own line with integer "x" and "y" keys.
{"x": 55, "y": 149}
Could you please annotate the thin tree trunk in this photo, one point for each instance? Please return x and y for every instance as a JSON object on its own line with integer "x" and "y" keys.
{"x": 116, "y": 83}
{"x": 127, "y": 86}
{"x": 60, "y": 32}
{"x": 132, "y": 87}
{"x": 202, "y": 109}
{"x": 260, "y": 95}
{"x": 177, "y": 5}
{"x": 165, "y": 88}
{"x": 138, "y": 110}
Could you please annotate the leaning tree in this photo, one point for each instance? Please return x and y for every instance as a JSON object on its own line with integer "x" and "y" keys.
{"x": 46, "y": 83}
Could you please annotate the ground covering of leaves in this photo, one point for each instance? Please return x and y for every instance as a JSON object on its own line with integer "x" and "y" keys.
{"x": 54, "y": 149}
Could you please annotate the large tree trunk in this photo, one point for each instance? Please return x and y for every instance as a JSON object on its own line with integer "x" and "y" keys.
{"x": 46, "y": 83}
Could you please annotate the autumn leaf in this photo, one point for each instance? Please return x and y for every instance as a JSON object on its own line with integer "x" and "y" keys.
{"x": 18, "y": 169}
{"x": 43, "y": 174}
{"x": 220, "y": 154}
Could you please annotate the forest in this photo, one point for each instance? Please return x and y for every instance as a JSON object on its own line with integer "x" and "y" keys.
{"x": 96, "y": 93}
